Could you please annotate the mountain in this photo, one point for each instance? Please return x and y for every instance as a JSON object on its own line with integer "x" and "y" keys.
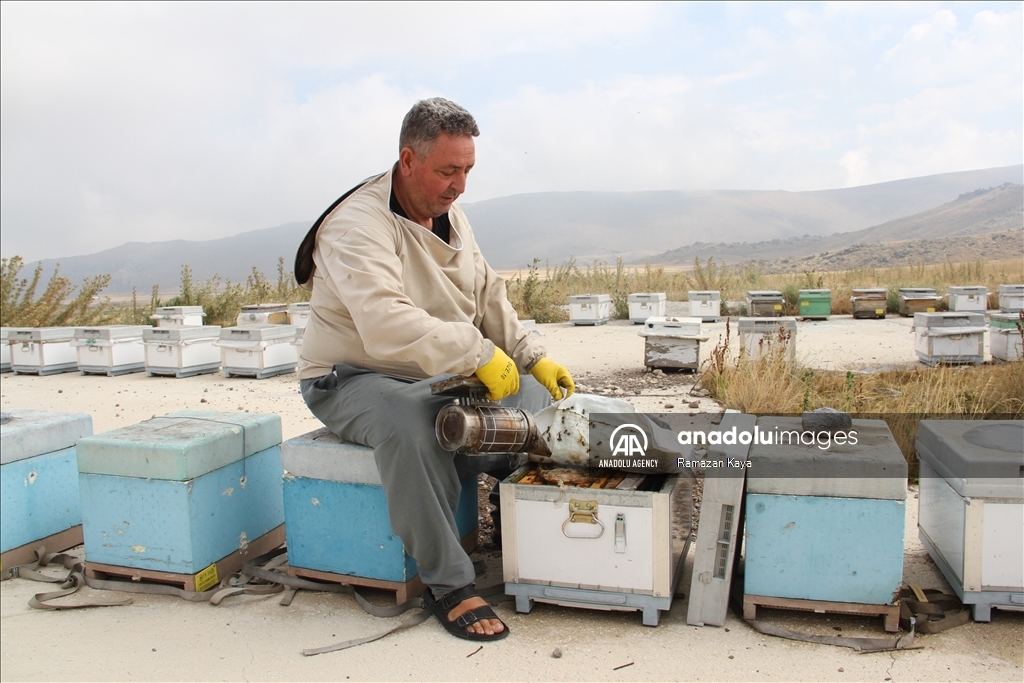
{"x": 554, "y": 226}
{"x": 991, "y": 210}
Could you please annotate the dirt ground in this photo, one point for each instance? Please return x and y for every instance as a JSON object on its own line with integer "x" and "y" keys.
{"x": 254, "y": 638}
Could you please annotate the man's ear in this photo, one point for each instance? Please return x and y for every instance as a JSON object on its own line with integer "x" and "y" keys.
{"x": 406, "y": 158}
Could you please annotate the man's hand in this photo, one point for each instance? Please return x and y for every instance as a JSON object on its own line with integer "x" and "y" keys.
{"x": 554, "y": 377}
{"x": 500, "y": 375}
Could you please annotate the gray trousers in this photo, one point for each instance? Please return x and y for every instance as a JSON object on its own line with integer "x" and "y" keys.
{"x": 422, "y": 481}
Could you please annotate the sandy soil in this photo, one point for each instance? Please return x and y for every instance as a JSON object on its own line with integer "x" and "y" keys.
{"x": 254, "y": 638}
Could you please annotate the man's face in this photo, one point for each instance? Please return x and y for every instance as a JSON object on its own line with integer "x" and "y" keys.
{"x": 437, "y": 180}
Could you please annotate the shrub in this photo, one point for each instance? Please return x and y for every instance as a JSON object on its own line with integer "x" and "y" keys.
{"x": 20, "y": 307}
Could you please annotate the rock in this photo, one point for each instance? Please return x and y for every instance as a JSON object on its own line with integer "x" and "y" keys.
{"x": 694, "y": 404}
{"x": 557, "y": 653}
{"x": 826, "y": 420}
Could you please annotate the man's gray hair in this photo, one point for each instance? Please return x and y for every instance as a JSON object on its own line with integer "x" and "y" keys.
{"x": 428, "y": 119}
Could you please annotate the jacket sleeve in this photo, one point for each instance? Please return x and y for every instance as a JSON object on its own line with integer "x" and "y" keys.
{"x": 364, "y": 261}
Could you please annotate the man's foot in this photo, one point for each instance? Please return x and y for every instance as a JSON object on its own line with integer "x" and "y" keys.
{"x": 466, "y": 615}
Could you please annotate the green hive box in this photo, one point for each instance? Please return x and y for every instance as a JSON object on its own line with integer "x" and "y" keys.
{"x": 815, "y": 303}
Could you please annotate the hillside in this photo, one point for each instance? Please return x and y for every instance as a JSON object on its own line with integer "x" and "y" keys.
{"x": 589, "y": 225}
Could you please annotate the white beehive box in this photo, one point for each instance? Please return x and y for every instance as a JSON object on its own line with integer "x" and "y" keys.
{"x": 263, "y": 314}
{"x": 1005, "y": 338}
{"x": 646, "y": 305}
{"x": 758, "y": 335}
{"x": 1011, "y": 298}
{"x": 178, "y": 316}
{"x": 950, "y": 338}
{"x": 258, "y": 351}
{"x": 967, "y": 298}
{"x": 181, "y": 351}
{"x": 764, "y": 303}
{"x": 590, "y": 309}
{"x": 610, "y": 548}
{"x": 110, "y": 350}
{"x": 42, "y": 350}
{"x": 971, "y": 516}
{"x": 705, "y": 304}
{"x": 298, "y": 315}
{"x": 672, "y": 342}
{"x": 5, "y": 351}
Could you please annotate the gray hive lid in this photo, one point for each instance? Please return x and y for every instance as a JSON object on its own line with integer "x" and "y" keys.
{"x": 921, "y": 292}
{"x": 703, "y": 295}
{"x": 820, "y": 292}
{"x": 301, "y": 306}
{"x": 763, "y": 294}
{"x": 180, "y": 334}
{"x": 645, "y": 296}
{"x": 874, "y": 467}
{"x": 1011, "y": 289}
{"x": 257, "y": 333}
{"x": 589, "y": 298}
{"x": 264, "y": 308}
{"x": 322, "y": 455}
{"x": 951, "y": 319}
{"x": 767, "y": 325}
{"x": 111, "y": 332}
{"x": 869, "y": 292}
{"x": 974, "y": 291}
{"x": 180, "y": 446}
{"x": 29, "y": 433}
{"x": 177, "y": 311}
{"x": 979, "y": 458}
{"x": 672, "y": 327}
{"x": 40, "y": 334}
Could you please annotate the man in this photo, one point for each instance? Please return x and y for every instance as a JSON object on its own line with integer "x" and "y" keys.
{"x": 401, "y": 296}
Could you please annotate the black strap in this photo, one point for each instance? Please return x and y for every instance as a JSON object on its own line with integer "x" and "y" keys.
{"x": 304, "y": 265}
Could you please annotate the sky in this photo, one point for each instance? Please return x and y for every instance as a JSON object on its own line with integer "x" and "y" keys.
{"x": 151, "y": 121}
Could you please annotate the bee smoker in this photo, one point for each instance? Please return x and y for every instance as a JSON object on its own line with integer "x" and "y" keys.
{"x": 473, "y": 425}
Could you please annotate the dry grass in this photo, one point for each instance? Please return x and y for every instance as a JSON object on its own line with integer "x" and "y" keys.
{"x": 770, "y": 385}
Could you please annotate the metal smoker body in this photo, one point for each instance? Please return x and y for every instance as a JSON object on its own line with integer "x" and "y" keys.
{"x": 472, "y": 424}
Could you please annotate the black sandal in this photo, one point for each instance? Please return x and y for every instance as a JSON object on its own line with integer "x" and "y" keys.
{"x": 457, "y": 627}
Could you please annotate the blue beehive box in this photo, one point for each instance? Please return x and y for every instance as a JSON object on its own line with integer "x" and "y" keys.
{"x": 39, "y": 482}
{"x": 825, "y": 524}
{"x": 336, "y": 515}
{"x": 181, "y": 492}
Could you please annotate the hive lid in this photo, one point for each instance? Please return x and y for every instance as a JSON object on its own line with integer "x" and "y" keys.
{"x": 764, "y": 294}
{"x": 301, "y": 306}
{"x": 1011, "y": 289}
{"x": 950, "y": 319}
{"x": 816, "y": 292}
{"x": 869, "y": 292}
{"x": 1005, "y": 321}
{"x": 177, "y": 311}
{"x": 979, "y": 458}
{"x": 264, "y": 308}
{"x": 322, "y": 455}
{"x": 257, "y": 333}
{"x": 646, "y": 296}
{"x": 109, "y": 332}
{"x": 29, "y": 433}
{"x": 703, "y": 294}
{"x": 177, "y": 334}
{"x": 180, "y": 446}
{"x": 874, "y": 467}
{"x": 589, "y": 298}
{"x": 917, "y": 291}
{"x": 974, "y": 291}
{"x": 40, "y": 334}
{"x": 663, "y": 326}
{"x": 4, "y": 331}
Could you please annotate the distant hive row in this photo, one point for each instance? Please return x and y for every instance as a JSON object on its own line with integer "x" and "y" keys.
{"x": 263, "y": 344}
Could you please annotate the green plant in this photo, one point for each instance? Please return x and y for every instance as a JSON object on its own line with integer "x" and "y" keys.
{"x": 19, "y": 306}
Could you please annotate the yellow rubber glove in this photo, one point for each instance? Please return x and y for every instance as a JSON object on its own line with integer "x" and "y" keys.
{"x": 500, "y": 375}
{"x": 554, "y": 377}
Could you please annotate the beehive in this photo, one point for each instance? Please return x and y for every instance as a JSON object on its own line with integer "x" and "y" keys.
{"x": 590, "y": 309}
{"x": 815, "y": 304}
{"x": 672, "y": 342}
{"x": 764, "y": 303}
{"x": 110, "y": 350}
{"x": 1011, "y": 298}
{"x": 298, "y": 315}
{"x": 955, "y": 338}
{"x": 263, "y": 314}
{"x": 705, "y": 304}
{"x": 1005, "y": 340}
{"x": 917, "y": 300}
{"x": 258, "y": 351}
{"x": 42, "y": 350}
{"x": 646, "y": 305}
{"x": 967, "y": 298}
{"x": 178, "y": 316}
{"x": 868, "y": 302}
{"x": 758, "y": 335}
{"x": 181, "y": 351}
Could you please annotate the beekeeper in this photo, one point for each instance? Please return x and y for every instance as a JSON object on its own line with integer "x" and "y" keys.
{"x": 400, "y": 296}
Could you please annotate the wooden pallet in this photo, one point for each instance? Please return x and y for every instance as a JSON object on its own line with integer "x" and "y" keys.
{"x": 404, "y": 591}
{"x": 225, "y": 566}
{"x": 889, "y": 613}
{"x": 24, "y": 554}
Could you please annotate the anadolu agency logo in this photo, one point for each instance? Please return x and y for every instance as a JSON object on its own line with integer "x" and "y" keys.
{"x": 629, "y": 448}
